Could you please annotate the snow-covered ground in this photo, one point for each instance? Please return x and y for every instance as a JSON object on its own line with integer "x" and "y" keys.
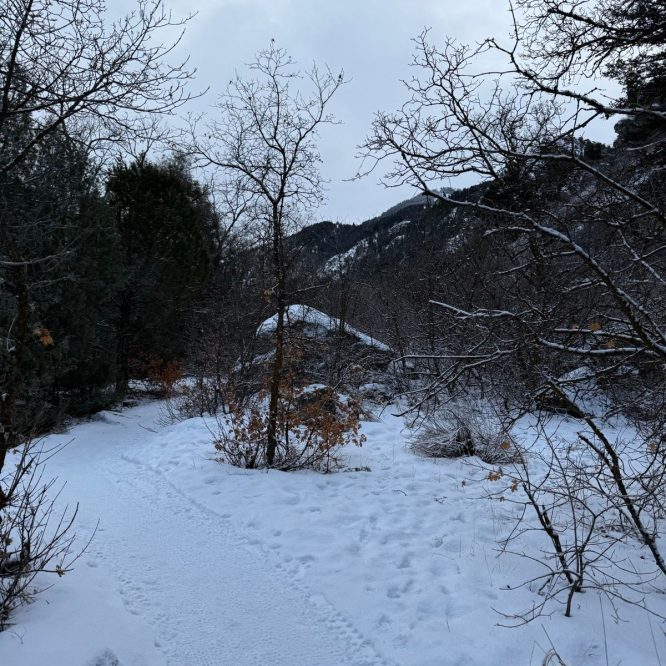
{"x": 195, "y": 562}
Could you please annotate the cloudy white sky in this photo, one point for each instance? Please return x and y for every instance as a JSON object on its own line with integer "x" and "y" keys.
{"x": 369, "y": 39}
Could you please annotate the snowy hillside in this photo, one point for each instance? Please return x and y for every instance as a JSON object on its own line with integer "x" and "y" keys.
{"x": 341, "y": 262}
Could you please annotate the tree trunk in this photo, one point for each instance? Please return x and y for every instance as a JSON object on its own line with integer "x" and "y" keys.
{"x": 278, "y": 361}
{"x": 122, "y": 349}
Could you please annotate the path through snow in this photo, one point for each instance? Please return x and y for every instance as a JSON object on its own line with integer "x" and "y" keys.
{"x": 197, "y": 562}
{"x": 209, "y": 597}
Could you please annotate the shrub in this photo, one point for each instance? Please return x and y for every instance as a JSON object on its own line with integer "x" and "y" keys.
{"x": 197, "y": 397}
{"x": 314, "y": 423}
{"x": 157, "y": 376}
{"x": 35, "y": 536}
{"x": 465, "y": 428}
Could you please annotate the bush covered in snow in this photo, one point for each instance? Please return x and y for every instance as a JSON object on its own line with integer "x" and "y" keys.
{"x": 465, "y": 428}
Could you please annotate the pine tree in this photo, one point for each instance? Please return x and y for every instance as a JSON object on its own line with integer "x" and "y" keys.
{"x": 166, "y": 227}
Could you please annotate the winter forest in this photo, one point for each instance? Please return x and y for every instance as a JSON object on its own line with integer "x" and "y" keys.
{"x": 234, "y": 431}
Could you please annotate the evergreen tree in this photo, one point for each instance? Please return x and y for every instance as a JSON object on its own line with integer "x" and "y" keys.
{"x": 61, "y": 227}
{"x": 166, "y": 227}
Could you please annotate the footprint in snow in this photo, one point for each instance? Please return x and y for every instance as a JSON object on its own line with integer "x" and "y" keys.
{"x": 393, "y": 592}
{"x": 107, "y": 658}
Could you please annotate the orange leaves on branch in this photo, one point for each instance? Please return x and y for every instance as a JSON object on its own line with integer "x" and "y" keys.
{"x": 44, "y": 337}
{"x": 313, "y": 422}
{"x": 164, "y": 374}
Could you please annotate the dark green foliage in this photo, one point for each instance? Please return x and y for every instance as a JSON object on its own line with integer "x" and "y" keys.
{"x": 644, "y": 82}
{"x": 638, "y": 35}
{"x": 640, "y": 66}
{"x": 80, "y": 312}
{"x": 593, "y": 150}
{"x": 166, "y": 229}
{"x": 111, "y": 279}
{"x": 64, "y": 234}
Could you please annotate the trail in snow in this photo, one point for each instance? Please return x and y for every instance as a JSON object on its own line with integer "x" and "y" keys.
{"x": 211, "y": 599}
{"x": 196, "y": 562}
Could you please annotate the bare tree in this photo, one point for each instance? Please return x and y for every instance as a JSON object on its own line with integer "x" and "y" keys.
{"x": 63, "y": 69}
{"x": 265, "y": 139}
{"x": 570, "y": 293}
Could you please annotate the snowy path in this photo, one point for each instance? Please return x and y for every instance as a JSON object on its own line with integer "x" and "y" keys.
{"x": 198, "y": 563}
{"x": 209, "y": 597}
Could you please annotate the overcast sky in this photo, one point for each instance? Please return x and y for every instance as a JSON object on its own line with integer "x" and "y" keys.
{"x": 369, "y": 39}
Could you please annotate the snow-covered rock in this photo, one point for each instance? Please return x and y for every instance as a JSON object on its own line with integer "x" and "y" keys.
{"x": 317, "y": 324}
